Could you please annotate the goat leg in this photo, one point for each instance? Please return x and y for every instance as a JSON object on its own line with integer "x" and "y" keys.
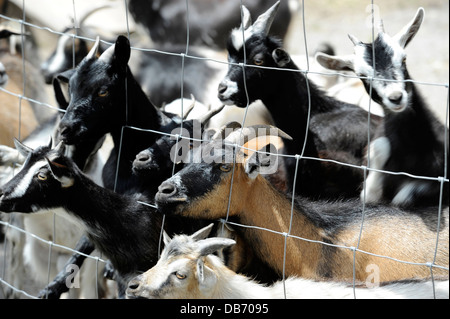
{"x": 59, "y": 285}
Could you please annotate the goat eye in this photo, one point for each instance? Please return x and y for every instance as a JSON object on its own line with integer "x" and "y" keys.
{"x": 225, "y": 167}
{"x": 180, "y": 275}
{"x": 42, "y": 176}
{"x": 103, "y": 93}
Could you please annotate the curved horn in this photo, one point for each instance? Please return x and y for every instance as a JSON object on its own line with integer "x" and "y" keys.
{"x": 108, "y": 54}
{"x": 354, "y": 39}
{"x": 190, "y": 107}
{"x": 60, "y": 147}
{"x": 206, "y": 117}
{"x": 226, "y": 130}
{"x": 22, "y": 148}
{"x": 246, "y": 21}
{"x": 93, "y": 52}
{"x": 381, "y": 27}
{"x": 264, "y": 21}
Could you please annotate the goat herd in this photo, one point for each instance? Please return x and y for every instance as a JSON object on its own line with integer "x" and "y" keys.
{"x": 190, "y": 203}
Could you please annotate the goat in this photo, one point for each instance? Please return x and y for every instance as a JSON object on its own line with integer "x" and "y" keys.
{"x": 187, "y": 269}
{"x": 105, "y": 98}
{"x": 203, "y": 190}
{"x": 336, "y": 130}
{"x": 411, "y": 139}
{"x": 123, "y": 229}
{"x": 165, "y": 21}
{"x": 70, "y": 49}
{"x": 53, "y": 224}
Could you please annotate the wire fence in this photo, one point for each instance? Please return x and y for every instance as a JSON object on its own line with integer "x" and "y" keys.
{"x": 22, "y": 292}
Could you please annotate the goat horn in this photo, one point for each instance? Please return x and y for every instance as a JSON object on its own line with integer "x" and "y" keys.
{"x": 22, "y": 148}
{"x": 93, "y": 52}
{"x": 246, "y": 18}
{"x": 108, "y": 54}
{"x": 211, "y": 245}
{"x": 226, "y": 130}
{"x": 255, "y": 131}
{"x": 381, "y": 27}
{"x": 264, "y": 21}
{"x": 206, "y": 117}
{"x": 354, "y": 39}
{"x": 202, "y": 233}
{"x": 60, "y": 147}
{"x": 190, "y": 107}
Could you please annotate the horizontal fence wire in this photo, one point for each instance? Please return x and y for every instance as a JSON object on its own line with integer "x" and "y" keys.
{"x": 297, "y": 157}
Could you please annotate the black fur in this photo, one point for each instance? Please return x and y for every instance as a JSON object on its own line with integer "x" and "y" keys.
{"x": 337, "y": 130}
{"x": 209, "y": 20}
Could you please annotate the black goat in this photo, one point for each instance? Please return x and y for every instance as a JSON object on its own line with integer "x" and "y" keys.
{"x": 120, "y": 227}
{"x": 105, "y": 98}
{"x": 337, "y": 130}
{"x": 209, "y": 20}
{"x": 411, "y": 139}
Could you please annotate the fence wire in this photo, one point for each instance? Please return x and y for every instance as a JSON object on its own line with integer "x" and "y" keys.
{"x": 8, "y": 225}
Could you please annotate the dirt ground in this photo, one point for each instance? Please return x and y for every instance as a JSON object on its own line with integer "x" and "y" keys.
{"x": 330, "y": 21}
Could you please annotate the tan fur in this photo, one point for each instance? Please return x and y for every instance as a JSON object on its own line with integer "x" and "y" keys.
{"x": 256, "y": 203}
{"x": 15, "y": 115}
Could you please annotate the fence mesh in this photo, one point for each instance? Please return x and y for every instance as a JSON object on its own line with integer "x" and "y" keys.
{"x": 303, "y": 34}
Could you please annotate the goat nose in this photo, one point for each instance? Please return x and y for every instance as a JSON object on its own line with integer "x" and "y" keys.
{"x": 167, "y": 189}
{"x": 142, "y": 157}
{"x": 222, "y": 88}
{"x": 395, "y": 97}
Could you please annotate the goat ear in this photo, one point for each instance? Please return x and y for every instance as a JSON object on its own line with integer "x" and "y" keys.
{"x": 59, "y": 95}
{"x": 166, "y": 238}
{"x": 66, "y": 75}
{"x": 337, "y": 63}
{"x": 60, "y": 171}
{"x": 262, "y": 162}
{"x": 209, "y": 246}
{"x": 281, "y": 57}
{"x": 410, "y": 30}
{"x": 22, "y": 148}
{"x": 202, "y": 233}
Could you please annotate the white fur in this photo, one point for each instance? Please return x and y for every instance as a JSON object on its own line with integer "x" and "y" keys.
{"x": 208, "y": 278}
{"x": 380, "y": 150}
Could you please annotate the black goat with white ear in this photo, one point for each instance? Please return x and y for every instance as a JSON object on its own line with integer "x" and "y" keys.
{"x": 337, "y": 130}
{"x": 411, "y": 138}
{"x": 125, "y": 231}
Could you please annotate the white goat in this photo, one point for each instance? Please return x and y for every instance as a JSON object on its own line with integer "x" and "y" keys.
{"x": 187, "y": 269}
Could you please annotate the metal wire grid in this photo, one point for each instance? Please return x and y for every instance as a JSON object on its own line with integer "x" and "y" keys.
{"x": 185, "y": 55}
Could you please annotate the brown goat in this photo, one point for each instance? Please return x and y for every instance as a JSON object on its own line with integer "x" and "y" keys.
{"x": 332, "y": 247}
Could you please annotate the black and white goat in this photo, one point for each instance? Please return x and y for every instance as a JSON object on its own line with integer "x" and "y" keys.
{"x": 209, "y": 21}
{"x": 411, "y": 139}
{"x": 188, "y": 269}
{"x": 336, "y": 130}
{"x": 124, "y": 230}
